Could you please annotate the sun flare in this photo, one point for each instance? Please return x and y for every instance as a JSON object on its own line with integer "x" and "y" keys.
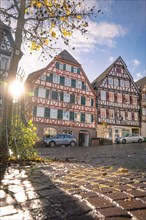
{"x": 16, "y": 89}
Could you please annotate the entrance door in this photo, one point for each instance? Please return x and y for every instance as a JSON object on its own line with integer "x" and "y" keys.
{"x": 83, "y": 139}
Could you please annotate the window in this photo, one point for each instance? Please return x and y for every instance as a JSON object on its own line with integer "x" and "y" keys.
{"x": 73, "y": 83}
{"x": 118, "y": 70}
{"x": 61, "y": 66}
{"x": 135, "y": 116}
{"x": 56, "y": 78}
{"x": 119, "y": 97}
{"x": 144, "y": 111}
{"x": 4, "y": 63}
{"x": 143, "y": 97}
{"x": 82, "y": 117}
{"x": 134, "y": 100}
{"x": 92, "y": 102}
{"x": 103, "y": 95}
{"x": 40, "y": 111}
{"x": 127, "y": 99}
{"x": 60, "y": 114}
{"x": 111, "y": 113}
{"x": 34, "y": 111}
{"x": 110, "y": 81}
{"x": 121, "y": 82}
{"x": 65, "y": 115}
{"x": 66, "y": 97}
{"x": 47, "y": 113}
{"x": 62, "y": 80}
{"x": 127, "y": 83}
{"x": 129, "y": 116}
{"x": 53, "y": 113}
{"x": 60, "y": 96}
{"x": 68, "y": 67}
{"x": 92, "y": 118}
{"x": 78, "y": 84}
{"x": 49, "y": 78}
{"x": 111, "y": 96}
{"x": 54, "y": 95}
{"x": 83, "y": 86}
{"x": 36, "y": 90}
{"x": 103, "y": 112}
{"x": 83, "y": 100}
{"x": 67, "y": 81}
{"x": 50, "y": 132}
{"x": 75, "y": 69}
{"x": 88, "y": 118}
{"x": 43, "y": 78}
{"x": 116, "y": 82}
{"x": 42, "y": 93}
{"x": 122, "y": 113}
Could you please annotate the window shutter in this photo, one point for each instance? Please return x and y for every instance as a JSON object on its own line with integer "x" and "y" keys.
{"x": 92, "y": 102}
{"x": 92, "y": 118}
{"x": 123, "y": 97}
{"x": 78, "y": 70}
{"x": 60, "y": 114}
{"x": 64, "y": 66}
{"x": 73, "y": 83}
{"x": 98, "y": 112}
{"x": 57, "y": 65}
{"x": 83, "y": 100}
{"x": 107, "y": 113}
{"x": 47, "y": 113}
{"x": 54, "y": 95}
{"x": 61, "y": 96}
{"x": 72, "y": 116}
{"x": 82, "y": 117}
{"x": 99, "y": 95}
{"x": 36, "y": 91}
{"x": 49, "y": 78}
{"x": 83, "y": 86}
{"x": 131, "y": 100}
{"x": 133, "y": 116}
{"x": 115, "y": 97}
{"x": 34, "y": 110}
{"x": 62, "y": 80}
{"x": 72, "y": 98}
{"x": 47, "y": 93}
{"x": 72, "y": 69}
{"x": 107, "y": 96}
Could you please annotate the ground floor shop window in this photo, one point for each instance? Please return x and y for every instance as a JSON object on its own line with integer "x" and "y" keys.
{"x": 67, "y": 132}
{"x": 50, "y": 132}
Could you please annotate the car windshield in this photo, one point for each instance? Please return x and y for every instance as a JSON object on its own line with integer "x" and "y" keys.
{"x": 126, "y": 135}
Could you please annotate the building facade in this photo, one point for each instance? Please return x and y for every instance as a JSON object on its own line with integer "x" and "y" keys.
{"x": 6, "y": 46}
{"x": 62, "y": 100}
{"x": 142, "y": 87}
{"x": 118, "y": 102}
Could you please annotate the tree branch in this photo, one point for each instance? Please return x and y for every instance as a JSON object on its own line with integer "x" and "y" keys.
{"x": 7, "y": 14}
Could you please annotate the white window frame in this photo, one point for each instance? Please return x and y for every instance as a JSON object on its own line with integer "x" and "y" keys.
{"x": 103, "y": 95}
{"x": 110, "y": 81}
{"x": 127, "y": 97}
{"x": 122, "y": 83}
{"x": 122, "y": 114}
{"x": 116, "y": 82}
{"x": 77, "y": 116}
{"x": 111, "y": 96}
{"x": 79, "y": 84}
{"x": 56, "y": 78}
{"x": 129, "y": 116}
{"x": 144, "y": 111}
{"x": 65, "y": 115}
{"x": 103, "y": 112}
{"x": 88, "y": 118}
{"x": 61, "y": 66}
{"x": 111, "y": 114}
{"x": 66, "y": 97}
{"x": 127, "y": 83}
{"x": 67, "y": 81}
{"x": 119, "y": 100}
{"x": 135, "y": 116}
{"x": 43, "y": 77}
{"x": 75, "y": 69}
{"x": 134, "y": 100}
{"x": 40, "y": 111}
{"x": 68, "y": 67}
{"x": 42, "y": 92}
{"x": 53, "y": 113}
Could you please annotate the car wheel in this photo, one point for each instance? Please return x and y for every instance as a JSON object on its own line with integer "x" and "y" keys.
{"x": 72, "y": 143}
{"x": 139, "y": 141}
{"x": 52, "y": 144}
{"x": 124, "y": 141}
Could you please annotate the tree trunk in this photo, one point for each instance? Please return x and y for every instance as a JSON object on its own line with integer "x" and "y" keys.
{"x": 8, "y": 102}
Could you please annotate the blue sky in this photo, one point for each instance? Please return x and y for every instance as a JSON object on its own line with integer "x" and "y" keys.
{"x": 119, "y": 31}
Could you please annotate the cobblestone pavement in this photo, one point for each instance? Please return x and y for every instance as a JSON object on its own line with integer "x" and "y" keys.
{"x": 72, "y": 191}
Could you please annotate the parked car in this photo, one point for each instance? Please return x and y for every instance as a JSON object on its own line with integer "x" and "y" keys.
{"x": 60, "y": 139}
{"x": 130, "y": 138}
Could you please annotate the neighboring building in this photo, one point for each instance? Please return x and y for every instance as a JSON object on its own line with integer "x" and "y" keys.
{"x": 62, "y": 100}
{"x": 142, "y": 87}
{"x": 6, "y": 45}
{"x": 118, "y": 102}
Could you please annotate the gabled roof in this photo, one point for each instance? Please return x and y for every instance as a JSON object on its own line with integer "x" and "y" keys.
{"x": 103, "y": 75}
{"x": 141, "y": 82}
{"x": 66, "y": 56}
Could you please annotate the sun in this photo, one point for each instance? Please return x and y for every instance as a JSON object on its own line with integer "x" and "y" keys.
{"x": 16, "y": 88}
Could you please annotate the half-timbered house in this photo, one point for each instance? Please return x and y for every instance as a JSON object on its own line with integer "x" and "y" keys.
{"x": 117, "y": 101}
{"x": 142, "y": 87}
{"x": 6, "y": 46}
{"x": 61, "y": 99}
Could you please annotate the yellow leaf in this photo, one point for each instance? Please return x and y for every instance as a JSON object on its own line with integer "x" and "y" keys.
{"x": 68, "y": 12}
{"x": 52, "y": 24}
{"x": 46, "y": 41}
{"x": 53, "y": 34}
{"x": 79, "y": 17}
{"x": 38, "y": 4}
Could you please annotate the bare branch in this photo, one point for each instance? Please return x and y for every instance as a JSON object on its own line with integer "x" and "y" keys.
{"x": 16, "y": 5}
{"x": 8, "y": 14}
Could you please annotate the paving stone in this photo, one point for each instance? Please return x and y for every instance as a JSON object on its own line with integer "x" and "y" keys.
{"x": 137, "y": 193}
{"x": 131, "y": 204}
{"x": 118, "y": 218}
{"x": 123, "y": 187}
{"x": 88, "y": 194}
{"x": 104, "y": 190}
{"x": 61, "y": 198}
{"x": 35, "y": 203}
{"x": 117, "y": 195}
{"x": 100, "y": 202}
{"x": 43, "y": 213}
{"x": 139, "y": 214}
{"x": 49, "y": 192}
{"x": 114, "y": 212}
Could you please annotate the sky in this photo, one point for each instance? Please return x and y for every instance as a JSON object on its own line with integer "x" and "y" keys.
{"x": 119, "y": 31}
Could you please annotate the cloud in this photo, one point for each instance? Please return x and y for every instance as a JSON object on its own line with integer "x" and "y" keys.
{"x": 138, "y": 76}
{"x": 136, "y": 62}
{"x": 111, "y": 59}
